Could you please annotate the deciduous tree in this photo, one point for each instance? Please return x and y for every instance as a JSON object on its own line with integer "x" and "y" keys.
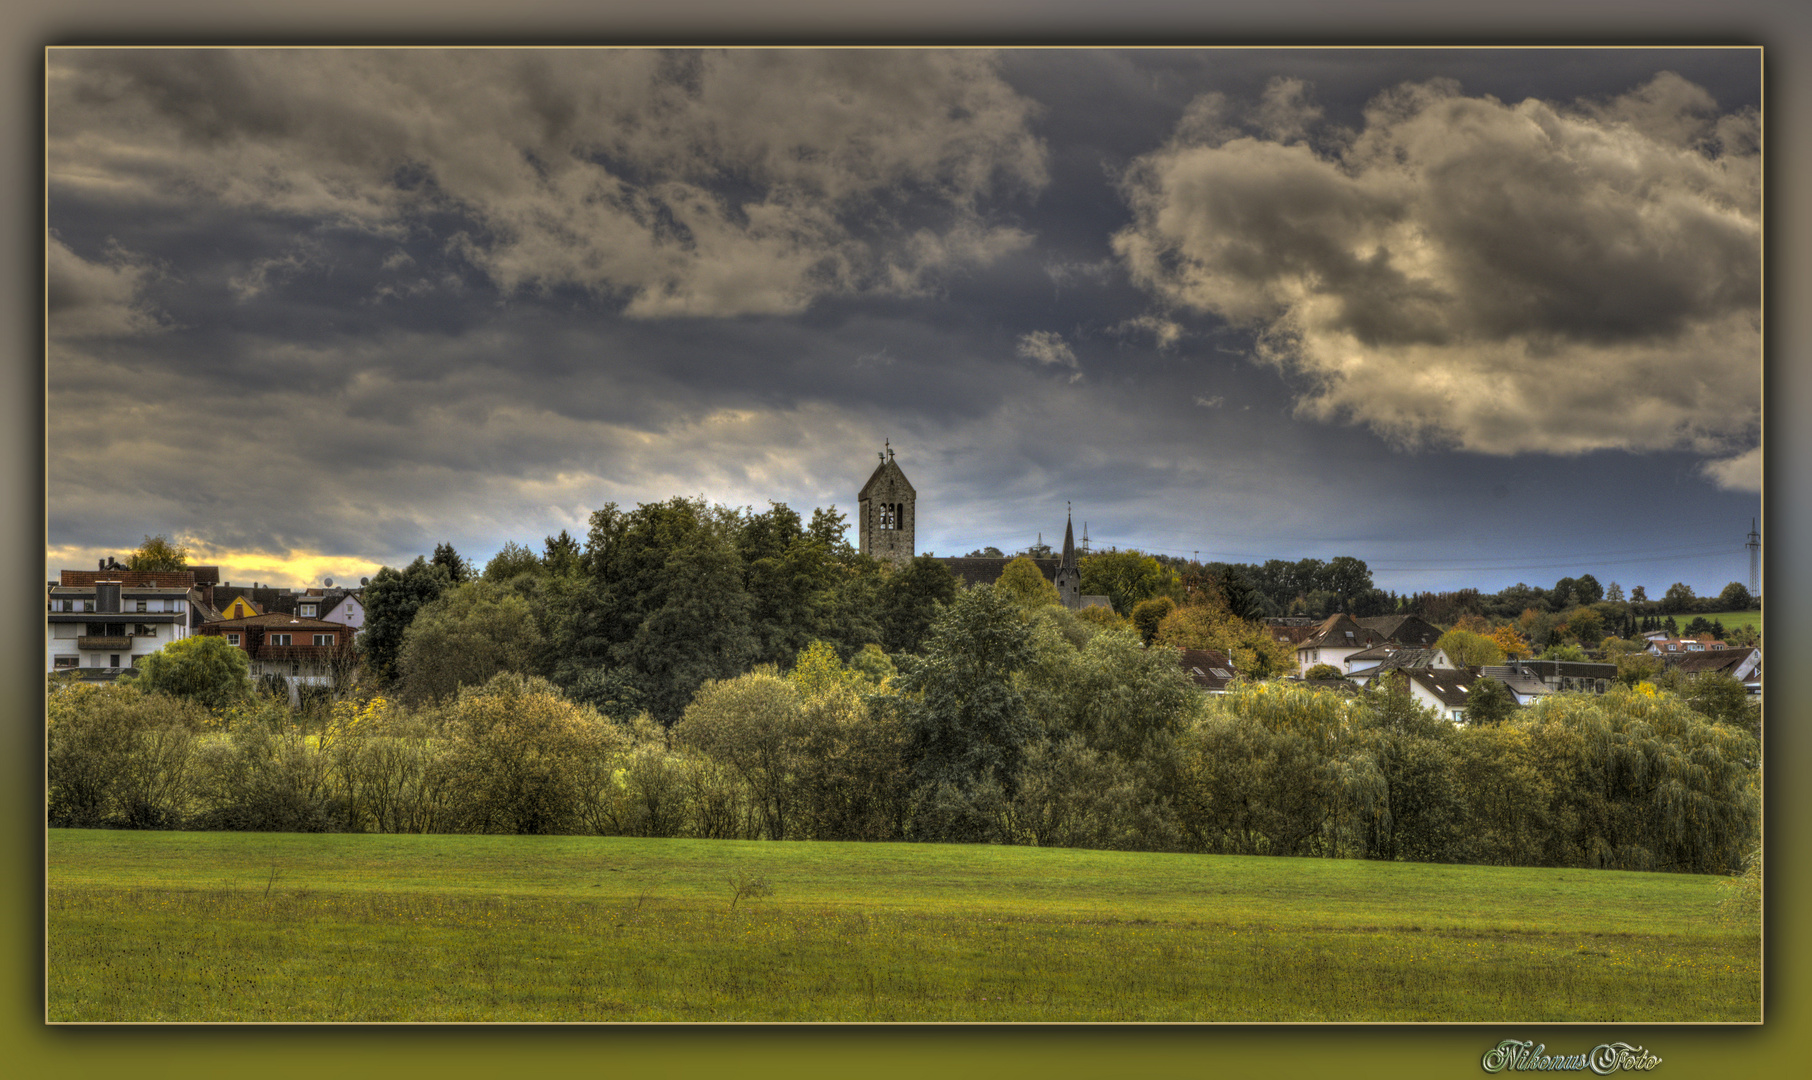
{"x": 202, "y": 668}
{"x": 1469, "y": 650}
{"x": 467, "y": 636}
{"x": 158, "y": 553}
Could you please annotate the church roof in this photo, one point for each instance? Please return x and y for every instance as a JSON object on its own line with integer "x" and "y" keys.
{"x": 886, "y": 468}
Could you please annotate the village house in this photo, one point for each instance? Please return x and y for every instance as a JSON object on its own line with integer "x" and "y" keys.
{"x": 1524, "y": 689}
{"x": 1335, "y": 638}
{"x": 1209, "y": 669}
{"x": 1742, "y": 664}
{"x": 1367, "y": 664}
{"x": 1666, "y": 646}
{"x": 299, "y": 654}
{"x": 102, "y": 623}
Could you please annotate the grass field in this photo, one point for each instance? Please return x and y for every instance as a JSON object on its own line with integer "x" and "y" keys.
{"x": 285, "y": 927}
{"x": 1732, "y": 620}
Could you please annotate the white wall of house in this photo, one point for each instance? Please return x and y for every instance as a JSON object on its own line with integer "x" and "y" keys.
{"x": 348, "y": 611}
{"x": 61, "y": 639}
{"x": 1424, "y": 698}
{"x": 1308, "y": 656}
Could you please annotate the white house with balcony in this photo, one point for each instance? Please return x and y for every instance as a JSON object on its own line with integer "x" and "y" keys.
{"x": 101, "y": 623}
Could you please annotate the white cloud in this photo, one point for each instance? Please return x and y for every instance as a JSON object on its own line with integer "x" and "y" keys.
{"x": 1501, "y": 278}
{"x": 1048, "y": 347}
{"x": 1165, "y": 332}
{"x": 98, "y": 299}
{"x": 1214, "y": 402}
{"x": 694, "y": 183}
{"x": 1740, "y": 473}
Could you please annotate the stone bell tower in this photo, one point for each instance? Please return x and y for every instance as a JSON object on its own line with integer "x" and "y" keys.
{"x": 885, "y": 513}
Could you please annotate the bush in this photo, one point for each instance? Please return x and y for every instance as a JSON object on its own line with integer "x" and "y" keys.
{"x": 116, "y": 757}
{"x": 520, "y": 758}
{"x": 202, "y": 668}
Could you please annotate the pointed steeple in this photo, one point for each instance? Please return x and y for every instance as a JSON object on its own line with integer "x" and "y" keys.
{"x": 1069, "y": 541}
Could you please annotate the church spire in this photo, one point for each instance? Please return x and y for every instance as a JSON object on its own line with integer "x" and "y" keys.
{"x": 1069, "y": 540}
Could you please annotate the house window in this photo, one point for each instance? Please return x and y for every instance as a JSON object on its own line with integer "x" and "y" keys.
{"x": 145, "y": 630}
{"x": 279, "y": 639}
{"x": 113, "y": 659}
{"x": 66, "y": 661}
{"x": 323, "y": 639}
{"x": 308, "y": 610}
{"x": 232, "y": 639}
{"x": 143, "y": 606}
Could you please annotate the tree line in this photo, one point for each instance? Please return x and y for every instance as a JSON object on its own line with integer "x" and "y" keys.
{"x": 1014, "y": 721}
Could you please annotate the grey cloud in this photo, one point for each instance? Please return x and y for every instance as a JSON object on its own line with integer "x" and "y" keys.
{"x": 98, "y": 299}
{"x": 702, "y": 184}
{"x": 1285, "y": 113}
{"x": 1502, "y": 278}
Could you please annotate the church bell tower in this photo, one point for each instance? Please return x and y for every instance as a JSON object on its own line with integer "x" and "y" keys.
{"x": 885, "y": 513}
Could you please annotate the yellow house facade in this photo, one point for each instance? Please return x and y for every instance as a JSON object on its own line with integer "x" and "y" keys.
{"x": 240, "y": 608}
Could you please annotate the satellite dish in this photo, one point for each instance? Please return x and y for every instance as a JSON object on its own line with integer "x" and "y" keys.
{"x": 364, "y": 581}
{"x": 327, "y": 581}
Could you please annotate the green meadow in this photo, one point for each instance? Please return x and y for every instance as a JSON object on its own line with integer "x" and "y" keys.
{"x": 1732, "y": 620}
{"x": 157, "y": 926}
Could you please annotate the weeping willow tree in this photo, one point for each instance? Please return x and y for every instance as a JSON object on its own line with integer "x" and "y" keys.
{"x": 1259, "y": 772}
{"x": 1642, "y": 782}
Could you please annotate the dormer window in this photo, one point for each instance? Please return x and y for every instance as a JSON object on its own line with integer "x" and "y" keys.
{"x": 308, "y": 611}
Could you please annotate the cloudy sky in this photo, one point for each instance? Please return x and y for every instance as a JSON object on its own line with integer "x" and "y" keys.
{"x": 1474, "y": 316}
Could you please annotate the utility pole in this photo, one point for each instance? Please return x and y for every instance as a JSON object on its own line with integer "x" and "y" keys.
{"x": 1755, "y": 560}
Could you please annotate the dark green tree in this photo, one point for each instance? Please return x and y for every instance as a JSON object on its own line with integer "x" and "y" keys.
{"x": 1586, "y": 590}
{"x": 1237, "y": 595}
{"x": 967, "y": 722}
{"x": 1347, "y": 578}
{"x": 561, "y": 554}
{"x": 1735, "y": 597}
{"x": 1679, "y": 599}
{"x": 457, "y": 568}
{"x": 681, "y": 604}
{"x": 1489, "y": 702}
{"x": 911, "y": 598}
{"x": 511, "y": 562}
{"x": 391, "y": 601}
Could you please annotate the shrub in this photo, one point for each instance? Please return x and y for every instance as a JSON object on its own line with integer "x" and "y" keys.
{"x": 119, "y": 758}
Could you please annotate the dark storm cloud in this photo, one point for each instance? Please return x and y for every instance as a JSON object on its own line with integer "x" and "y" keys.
{"x": 1505, "y": 277}
{"x": 322, "y": 310}
{"x": 710, "y": 184}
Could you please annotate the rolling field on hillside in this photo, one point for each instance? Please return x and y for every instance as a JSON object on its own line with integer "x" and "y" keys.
{"x": 1732, "y": 620}
{"x": 288, "y": 927}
